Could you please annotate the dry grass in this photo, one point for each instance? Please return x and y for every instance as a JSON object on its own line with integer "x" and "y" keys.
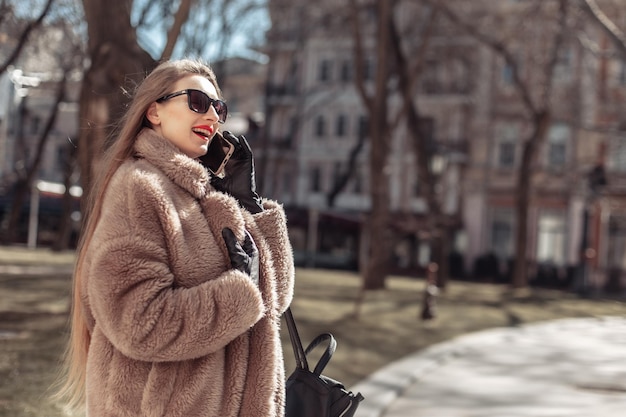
{"x": 389, "y": 326}
{"x": 33, "y": 314}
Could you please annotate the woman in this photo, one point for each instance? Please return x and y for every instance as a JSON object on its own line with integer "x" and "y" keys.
{"x": 170, "y": 317}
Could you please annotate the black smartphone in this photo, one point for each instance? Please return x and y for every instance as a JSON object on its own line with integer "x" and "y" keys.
{"x": 220, "y": 151}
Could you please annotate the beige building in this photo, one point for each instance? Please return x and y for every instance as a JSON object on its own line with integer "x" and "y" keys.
{"x": 315, "y": 118}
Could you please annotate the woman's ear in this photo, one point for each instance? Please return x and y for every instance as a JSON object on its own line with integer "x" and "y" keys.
{"x": 153, "y": 115}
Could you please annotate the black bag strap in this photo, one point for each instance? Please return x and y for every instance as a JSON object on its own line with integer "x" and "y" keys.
{"x": 328, "y": 352}
{"x": 301, "y": 353}
{"x": 296, "y": 344}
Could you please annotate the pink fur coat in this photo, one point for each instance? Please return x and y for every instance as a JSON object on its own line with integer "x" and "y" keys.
{"x": 174, "y": 330}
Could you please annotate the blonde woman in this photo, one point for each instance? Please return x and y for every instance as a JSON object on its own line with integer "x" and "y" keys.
{"x": 181, "y": 277}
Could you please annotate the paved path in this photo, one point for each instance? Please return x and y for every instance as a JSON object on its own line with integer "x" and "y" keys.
{"x": 563, "y": 368}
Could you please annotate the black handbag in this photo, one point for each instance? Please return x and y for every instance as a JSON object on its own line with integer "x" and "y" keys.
{"x": 311, "y": 394}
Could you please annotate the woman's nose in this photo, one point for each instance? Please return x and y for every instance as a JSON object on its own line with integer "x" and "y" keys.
{"x": 212, "y": 115}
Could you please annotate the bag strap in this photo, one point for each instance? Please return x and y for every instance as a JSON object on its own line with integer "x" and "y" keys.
{"x": 328, "y": 353}
{"x": 301, "y": 353}
{"x": 296, "y": 343}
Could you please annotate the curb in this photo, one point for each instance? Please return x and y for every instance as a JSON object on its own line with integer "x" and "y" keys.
{"x": 389, "y": 383}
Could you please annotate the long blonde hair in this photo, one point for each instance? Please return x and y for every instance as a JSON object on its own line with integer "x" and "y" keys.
{"x": 155, "y": 85}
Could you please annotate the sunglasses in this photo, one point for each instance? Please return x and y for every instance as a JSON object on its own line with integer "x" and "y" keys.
{"x": 199, "y": 102}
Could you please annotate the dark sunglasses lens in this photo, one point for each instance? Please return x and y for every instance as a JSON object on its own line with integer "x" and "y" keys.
{"x": 198, "y": 101}
{"x": 220, "y": 109}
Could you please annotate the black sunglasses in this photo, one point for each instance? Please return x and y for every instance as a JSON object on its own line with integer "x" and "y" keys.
{"x": 199, "y": 102}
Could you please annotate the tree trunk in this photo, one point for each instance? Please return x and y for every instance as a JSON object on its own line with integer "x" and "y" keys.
{"x": 524, "y": 187}
{"x": 378, "y": 226}
{"x": 117, "y": 62}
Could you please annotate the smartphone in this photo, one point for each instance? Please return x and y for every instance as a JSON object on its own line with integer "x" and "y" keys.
{"x": 220, "y": 151}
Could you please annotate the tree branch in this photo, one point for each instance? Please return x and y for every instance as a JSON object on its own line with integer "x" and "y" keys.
{"x": 359, "y": 72}
{"x": 615, "y": 34}
{"x": 497, "y": 46}
{"x": 24, "y": 37}
{"x": 181, "y": 16}
{"x": 554, "y": 55}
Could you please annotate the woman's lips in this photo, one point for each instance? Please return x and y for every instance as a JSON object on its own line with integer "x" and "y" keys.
{"x": 204, "y": 132}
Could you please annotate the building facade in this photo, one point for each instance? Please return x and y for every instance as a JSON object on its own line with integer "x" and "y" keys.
{"x": 28, "y": 94}
{"x": 315, "y": 119}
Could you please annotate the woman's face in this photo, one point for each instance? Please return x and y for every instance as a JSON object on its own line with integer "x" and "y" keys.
{"x": 191, "y": 132}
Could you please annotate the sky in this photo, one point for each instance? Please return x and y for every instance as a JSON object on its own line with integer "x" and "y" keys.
{"x": 153, "y": 39}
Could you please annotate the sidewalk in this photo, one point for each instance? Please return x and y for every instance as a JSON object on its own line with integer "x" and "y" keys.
{"x": 568, "y": 367}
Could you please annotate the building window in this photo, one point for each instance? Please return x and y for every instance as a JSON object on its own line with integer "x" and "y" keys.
{"x": 287, "y": 184}
{"x": 368, "y": 69}
{"x": 502, "y": 233}
{"x": 617, "y": 242}
{"x": 346, "y": 71}
{"x": 431, "y": 83}
{"x": 507, "y": 74}
{"x": 551, "y": 239}
{"x": 315, "y": 179}
{"x": 416, "y": 185}
{"x": 363, "y": 126}
{"x": 320, "y": 126}
{"x": 507, "y": 147}
{"x": 337, "y": 172}
{"x": 325, "y": 70}
{"x": 558, "y": 137}
{"x": 341, "y": 125}
{"x": 617, "y": 153}
{"x": 563, "y": 68}
{"x": 458, "y": 76}
{"x": 622, "y": 73}
{"x": 506, "y": 155}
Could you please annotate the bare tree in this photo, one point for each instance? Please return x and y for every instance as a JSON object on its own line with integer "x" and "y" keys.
{"x": 408, "y": 72}
{"x": 378, "y": 233}
{"x": 534, "y": 93}
{"x": 25, "y": 33}
{"x": 597, "y": 15}
{"x": 405, "y": 46}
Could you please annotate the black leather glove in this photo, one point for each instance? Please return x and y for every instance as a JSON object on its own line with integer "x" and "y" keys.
{"x": 244, "y": 257}
{"x": 239, "y": 180}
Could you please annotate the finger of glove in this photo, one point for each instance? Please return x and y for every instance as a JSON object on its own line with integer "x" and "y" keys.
{"x": 239, "y": 153}
{"x": 230, "y": 137}
{"x": 245, "y": 145}
{"x": 219, "y": 184}
{"x": 249, "y": 246}
{"x": 243, "y": 151}
{"x": 253, "y": 252}
{"x": 239, "y": 259}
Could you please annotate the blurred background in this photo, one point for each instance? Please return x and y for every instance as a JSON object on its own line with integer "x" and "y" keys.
{"x": 486, "y": 137}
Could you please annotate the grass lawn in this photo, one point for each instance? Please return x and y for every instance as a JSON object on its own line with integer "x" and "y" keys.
{"x": 33, "y": 314}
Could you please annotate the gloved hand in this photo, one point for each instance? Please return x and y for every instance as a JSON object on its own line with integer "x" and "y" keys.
{"x": 239, "y": 180}
{"x": 244, "y": 257}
